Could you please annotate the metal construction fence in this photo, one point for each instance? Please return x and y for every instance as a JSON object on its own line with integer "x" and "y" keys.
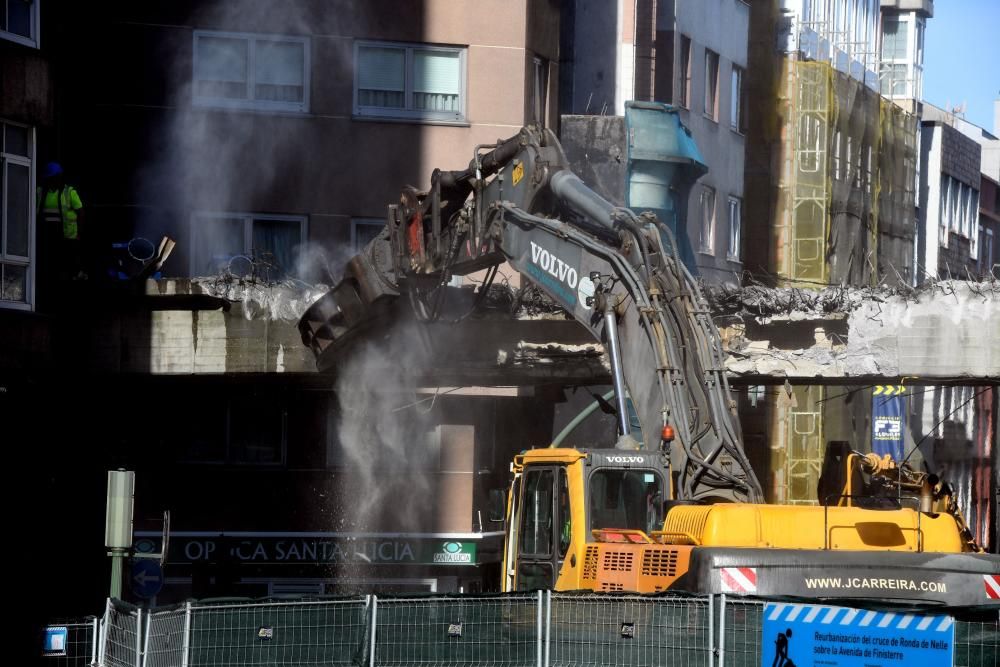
{"x": 539, "y": 629}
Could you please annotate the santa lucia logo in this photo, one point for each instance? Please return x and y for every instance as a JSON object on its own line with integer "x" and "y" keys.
{"x": 452, "y": 552}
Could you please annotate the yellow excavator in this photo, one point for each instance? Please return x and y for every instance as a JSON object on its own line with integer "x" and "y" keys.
{"x": 673, "y": 504}
{"x": 597, "y": 519}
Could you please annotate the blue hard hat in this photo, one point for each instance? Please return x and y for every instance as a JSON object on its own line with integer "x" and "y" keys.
{"x": 52, "y": 169}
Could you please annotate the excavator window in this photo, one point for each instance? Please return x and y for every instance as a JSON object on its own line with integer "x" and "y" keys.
{"x": 565, "y": 522}
{"x": 630, "y": 499}
{"x": 544, "y": 529}
{"x": 536, "y": 513}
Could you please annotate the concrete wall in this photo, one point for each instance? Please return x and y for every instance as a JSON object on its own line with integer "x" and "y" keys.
{"x": 722, "y": 26}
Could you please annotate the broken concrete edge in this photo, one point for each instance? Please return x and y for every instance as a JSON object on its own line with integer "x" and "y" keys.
{"x": 834, "y": 302}
{"x": 948, "y": 330}
{"x": 284, "y": 301}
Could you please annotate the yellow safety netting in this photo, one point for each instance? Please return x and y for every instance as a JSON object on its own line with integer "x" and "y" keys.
{"x": 845, "y": 181}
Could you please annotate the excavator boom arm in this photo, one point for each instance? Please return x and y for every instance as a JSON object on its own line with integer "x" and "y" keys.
{"x": 607, "y": 267}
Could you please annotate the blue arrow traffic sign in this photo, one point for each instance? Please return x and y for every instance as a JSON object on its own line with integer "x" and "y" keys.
{"x": 147, "y": 578}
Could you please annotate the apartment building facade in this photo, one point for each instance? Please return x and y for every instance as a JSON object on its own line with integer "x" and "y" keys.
{"x": 26, "y": 105}
{"x": 689, "y": 55}
{"x": 277, "y": 137}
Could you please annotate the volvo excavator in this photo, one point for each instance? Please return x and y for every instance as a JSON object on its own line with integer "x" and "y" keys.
{"x": 673, "y": 504}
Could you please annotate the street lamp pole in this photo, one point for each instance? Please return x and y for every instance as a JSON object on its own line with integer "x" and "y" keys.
{"x": 118, "y": 523}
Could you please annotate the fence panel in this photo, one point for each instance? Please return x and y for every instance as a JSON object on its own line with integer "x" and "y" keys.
{"x": 81, "y": 645}
{"x": 322, "y": 632}
{"x": 458, "y": 631}
{"x": 520, "y": 630}
{"x": 977, "y": 643}
{"x": 165, "y": 639}
{"x": 629, "y": 630}
{"x": 740, "y": 625}
{"x": 120, "y": 634}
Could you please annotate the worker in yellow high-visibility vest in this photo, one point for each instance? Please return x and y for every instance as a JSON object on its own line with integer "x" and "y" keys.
{"x": 60, "y": 219}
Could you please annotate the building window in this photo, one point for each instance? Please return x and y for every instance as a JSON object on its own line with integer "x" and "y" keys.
{"x": 19, "y": 21}
{"x": 944, "y": 206}
{"x": 737, "y": 107}
{"x": 894, "y": 78}
{"x": 959, "y": 210}
{"x": 918, "y": 62}
{"x": 363, "y": 230}
{"x": 17, "y": 212}
{"x": 711, "y": 84}
{"x": 409, "y": 82}
{"x": 894, "y": 38}
{"x": 539, "y": 89}
{"x": 986, "y": 261}
{"x": 246, "y": 244}
{"x": 685, "y": 75}
{"x": 243, "y": 71}
{"x": 707, "y": 235}
{"x": 735, "y": 228}
{"x": 901, "y": 72}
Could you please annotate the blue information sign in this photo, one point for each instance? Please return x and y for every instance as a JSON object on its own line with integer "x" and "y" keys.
{"x": 888, "y": 420}
{"x": 808, "y": 635}
{"x": 147, "y": 578}
{"x": 55, "y": 640}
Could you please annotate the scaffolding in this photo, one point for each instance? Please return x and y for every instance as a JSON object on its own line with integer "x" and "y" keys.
{"x": 797, "y": 452}
{"x": 847, "y": 174}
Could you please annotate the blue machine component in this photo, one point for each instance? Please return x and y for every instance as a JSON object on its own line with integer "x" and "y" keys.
{"x": 663, "y": 164}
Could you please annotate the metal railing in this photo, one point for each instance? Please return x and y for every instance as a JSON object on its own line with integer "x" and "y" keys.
{"x": 539, "y": 629}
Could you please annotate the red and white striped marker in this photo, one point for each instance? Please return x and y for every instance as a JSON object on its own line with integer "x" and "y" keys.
{"x": 738, "y": 579}
{"x": 992, "y": 583}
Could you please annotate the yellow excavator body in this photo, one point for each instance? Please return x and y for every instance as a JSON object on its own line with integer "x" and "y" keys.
{"x": 813, "y": 527}
{"x": 572, "y": 525}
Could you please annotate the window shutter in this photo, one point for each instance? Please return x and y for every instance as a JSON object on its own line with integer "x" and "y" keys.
{"x": 381, "y": 68}
{"x": 436, "y": 72}
{"x": 222, "y": 59}
{"x": 280, "y": 63}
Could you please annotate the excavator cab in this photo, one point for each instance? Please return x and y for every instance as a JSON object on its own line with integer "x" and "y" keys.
{"x": 563, "y": 499}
